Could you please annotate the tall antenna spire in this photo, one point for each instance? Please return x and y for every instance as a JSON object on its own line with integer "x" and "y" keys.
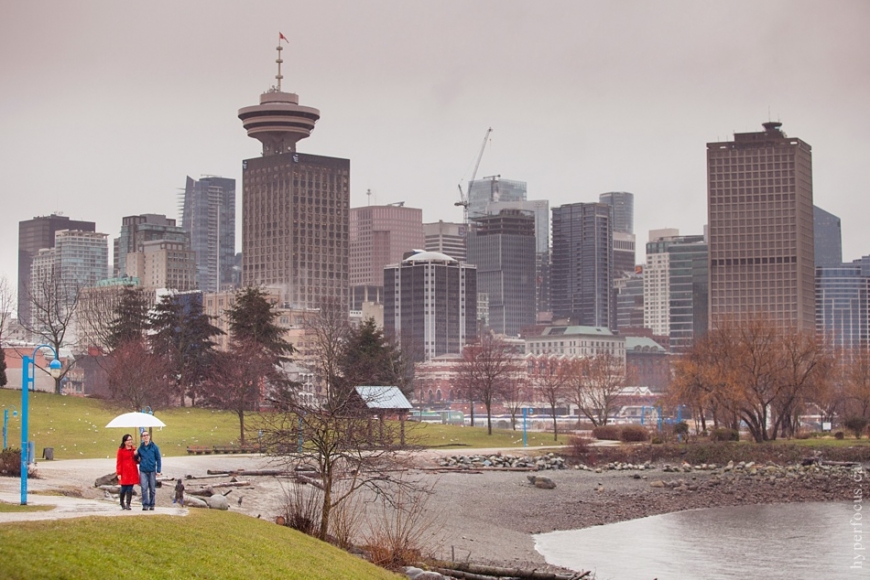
{"x": 279, "y": 60}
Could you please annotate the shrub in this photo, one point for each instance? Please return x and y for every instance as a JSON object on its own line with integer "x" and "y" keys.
{"x": 725, "y": 435}
{"x": 302, "y": 505}
{"x": 838, "y": 435}
{"x": 681, "y": 429}
{"x": 606, "y": 433}
{"x": 856, "y": 425}
{"x": 579, "y": 446}
{"x": 656, "y": 440}
{"x": 633, "y": 433}
{"x": 10, "y": 462}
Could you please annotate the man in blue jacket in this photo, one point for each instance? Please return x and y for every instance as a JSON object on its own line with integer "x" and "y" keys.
{"x": 149, "y": 468}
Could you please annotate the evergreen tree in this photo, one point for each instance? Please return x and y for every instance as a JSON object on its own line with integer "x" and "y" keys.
{"x": 131, "y": 317}
{"x": 369, "y": 358}
{"x": 183, "y": 335}
{"x": 252, "y": 319}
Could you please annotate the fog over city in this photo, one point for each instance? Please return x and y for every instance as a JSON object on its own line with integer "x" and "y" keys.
{"x": 107, "y": 106}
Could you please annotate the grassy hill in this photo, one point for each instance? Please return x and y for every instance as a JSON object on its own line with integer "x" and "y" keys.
{"x": 76, "y": 428}
{"x": 205, "y": 544}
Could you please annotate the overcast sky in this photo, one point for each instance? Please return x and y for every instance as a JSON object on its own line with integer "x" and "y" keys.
{"x": 107, "y": 106}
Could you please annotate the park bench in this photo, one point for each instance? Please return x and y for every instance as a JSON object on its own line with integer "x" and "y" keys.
{"x": 199, "y": 449}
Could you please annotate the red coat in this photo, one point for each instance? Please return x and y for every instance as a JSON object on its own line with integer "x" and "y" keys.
{"x": 126, "y": 467}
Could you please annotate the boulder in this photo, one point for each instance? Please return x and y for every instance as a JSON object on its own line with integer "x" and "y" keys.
{"x": 193, "y": 501}
{"x": 218, "y": 502}
{"x": 108, "y": 479}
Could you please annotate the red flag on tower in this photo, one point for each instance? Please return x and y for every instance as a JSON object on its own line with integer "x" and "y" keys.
{"x": 282, "y": 37}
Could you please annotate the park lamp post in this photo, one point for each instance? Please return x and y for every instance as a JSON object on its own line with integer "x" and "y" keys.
{"x": 6, "y": 423}
{"x": 28, "y": 370}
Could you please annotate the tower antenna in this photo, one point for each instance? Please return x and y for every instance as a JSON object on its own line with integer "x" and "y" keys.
{"x": 279, "y": 60}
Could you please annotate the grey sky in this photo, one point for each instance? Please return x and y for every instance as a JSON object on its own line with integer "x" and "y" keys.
{"x": 105, "y": 107}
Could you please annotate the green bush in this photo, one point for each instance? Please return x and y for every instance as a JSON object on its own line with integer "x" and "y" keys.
{"x": 633, "y": 433}
{"x": 839, "y": 435}
{"x": 681, "y": 429}
{"x": 10, "y": 462}
{"x": 856, "y": 425}
{"x": 725, "y": 435}
{"x": 606, "y": 433}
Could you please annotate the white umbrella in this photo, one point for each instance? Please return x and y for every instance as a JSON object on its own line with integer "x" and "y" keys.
{"x": 136, "y": 420}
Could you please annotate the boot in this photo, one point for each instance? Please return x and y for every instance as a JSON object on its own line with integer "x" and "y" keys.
{"x": 129, "y": 499}
{"x": 122, "y": 495}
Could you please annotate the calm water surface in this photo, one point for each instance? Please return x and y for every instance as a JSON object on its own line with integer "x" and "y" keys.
{"x": 771, "y": 542}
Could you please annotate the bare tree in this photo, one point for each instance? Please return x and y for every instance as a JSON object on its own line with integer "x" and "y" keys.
{"x": 327, "y": 332}
{"x": 550, "y": 383}
{"x": 137, "y": 377}
{"x": 337, "y": 441}
{"x": 485, "y": 368}
{"x": 53, "y": 305}
{"x": 7, "y": 298}
{"x": 857, "y": 381}
{"x": 515, "y": 394}
{"x": 595, "y": 384}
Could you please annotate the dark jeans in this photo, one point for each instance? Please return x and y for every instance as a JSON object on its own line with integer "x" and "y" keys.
{"x": 148, "y": 483}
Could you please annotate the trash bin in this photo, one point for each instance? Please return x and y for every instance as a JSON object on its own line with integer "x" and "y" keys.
{"x": 48, "y": 453}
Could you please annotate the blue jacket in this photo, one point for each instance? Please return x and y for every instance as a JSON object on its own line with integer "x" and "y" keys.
{"x": 149, "y": 457}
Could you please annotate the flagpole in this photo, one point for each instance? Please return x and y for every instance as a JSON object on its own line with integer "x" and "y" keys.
{"x": 279, "y": 61}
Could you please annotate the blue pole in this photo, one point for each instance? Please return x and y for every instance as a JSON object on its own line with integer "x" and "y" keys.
{"x": 642, "y": 414}
{"x": 660, "y": 419}
{"x": 5, "y": 422}
{"x": 28, "y": 369}
{"x": 525, "y": 437}
{"x": 26, "y": 377}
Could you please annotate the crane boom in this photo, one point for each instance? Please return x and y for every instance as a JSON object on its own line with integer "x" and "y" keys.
{"x": 463, "y": 196}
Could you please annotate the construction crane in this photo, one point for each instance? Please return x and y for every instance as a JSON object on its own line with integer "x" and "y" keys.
{"x": 463, "y": 196}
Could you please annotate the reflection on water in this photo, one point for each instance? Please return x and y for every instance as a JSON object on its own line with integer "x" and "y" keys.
{"x": 781, "y": 541}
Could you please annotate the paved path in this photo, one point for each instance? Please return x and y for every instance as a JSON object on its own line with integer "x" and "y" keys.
{"x": 74, "y": 507}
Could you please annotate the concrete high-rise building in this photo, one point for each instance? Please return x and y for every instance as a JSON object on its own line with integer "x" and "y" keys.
{"x": 629, "y": 301}
{"x": 137, "y": 230}
{"x": 760, "y": 219}
{"x": 622, "y": 203}
{"x": 541, "y": 210}
{"x": 843, "y": 304}
{"x": 78, "y": 260}
{"x": 447, "y": 238}
{"x": 582, "y": 265}
{"x": 502, "y": 246}
{"x": 295, "y": 206}
{"x": 483, "y": 192}
{"x": 208, "y": 214}
{"x": 380, "y": 235}
{"x": 430, "y": 304}
{"x": 676, "y": 287}
{"x": 34, "y": 235}
{"x": 163, "y": 264}
{"x": 828, "y": 238}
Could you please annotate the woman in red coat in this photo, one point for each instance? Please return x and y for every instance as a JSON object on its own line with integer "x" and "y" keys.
{"x": 128, "y": 472}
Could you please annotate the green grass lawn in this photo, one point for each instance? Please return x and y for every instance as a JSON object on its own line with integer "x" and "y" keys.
{"x": 76, "y": 428}
{"x": 204, "y": 544}
{"x": 11, "y": 507}
{"x": 458, "y": 437}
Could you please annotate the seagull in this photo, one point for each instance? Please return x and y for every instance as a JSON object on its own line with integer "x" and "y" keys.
{"x": 240, "y": 500}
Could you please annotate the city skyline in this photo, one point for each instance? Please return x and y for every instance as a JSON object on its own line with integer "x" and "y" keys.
{"x": 624, "y": 97}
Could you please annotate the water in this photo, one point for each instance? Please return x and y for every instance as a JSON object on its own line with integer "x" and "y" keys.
{"x": 781, "y": 541}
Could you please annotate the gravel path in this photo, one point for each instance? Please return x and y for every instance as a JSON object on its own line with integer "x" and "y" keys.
{"x": 488, "y": 516}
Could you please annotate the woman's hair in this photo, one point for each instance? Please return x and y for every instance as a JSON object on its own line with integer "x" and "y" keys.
{"x": 123, "y": 439}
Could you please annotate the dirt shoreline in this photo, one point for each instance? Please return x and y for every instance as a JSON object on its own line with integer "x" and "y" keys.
{"x": 489, "y": 516}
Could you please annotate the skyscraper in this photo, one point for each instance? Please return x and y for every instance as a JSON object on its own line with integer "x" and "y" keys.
{"x": 430, "y": 304}
{"x": 208, "y": 214}
{"x": 582, "y": 266}
{"x": 760, "y": 219}
{"x": 34, "y": 235}
{"x": 622, "y": 203}
{"x": 446, "y": 238}
{"x": 482, "y": 192}
{"x": 380, "y": 235}
{"x": 137, "y": 230}
{"x": 827, "y": 238}
{"x": 502, "y": 246}
{"x": 843, "y": 304}
{"x": 295, "y": 206}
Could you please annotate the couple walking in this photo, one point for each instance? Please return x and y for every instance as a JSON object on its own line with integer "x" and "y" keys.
{"x": 141, "y": 466}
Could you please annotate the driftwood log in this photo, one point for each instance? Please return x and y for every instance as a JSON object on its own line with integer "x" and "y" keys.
{"x": 247, "y": 472}
{"x": 469, "y": 571}
{"x": 209, "y": 490}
